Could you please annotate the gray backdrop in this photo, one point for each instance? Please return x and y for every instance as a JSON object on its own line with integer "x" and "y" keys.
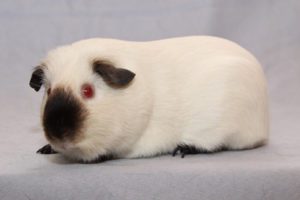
{"x": 269, "y": 29}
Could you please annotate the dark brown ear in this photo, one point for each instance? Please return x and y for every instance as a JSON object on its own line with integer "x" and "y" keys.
{"x": 115, "y": 77}
{"x": 36, "y": 80}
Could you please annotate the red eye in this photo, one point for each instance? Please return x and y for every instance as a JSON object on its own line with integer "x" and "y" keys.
{"x": 87, "y": 91}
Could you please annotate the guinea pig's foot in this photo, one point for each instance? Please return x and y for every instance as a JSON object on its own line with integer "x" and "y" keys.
{"x": 47, "y": 149}
{"x": 188, "y": 149}
{"x": 99, "y": 159}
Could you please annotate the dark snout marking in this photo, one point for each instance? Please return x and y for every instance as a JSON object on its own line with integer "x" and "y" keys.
{"x": 36, "y": 80}
{"x": 114, "y": 77}
{"x": 63, "y": 115}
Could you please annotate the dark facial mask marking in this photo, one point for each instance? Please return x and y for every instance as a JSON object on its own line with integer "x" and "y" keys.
{"x": 63, "y": 115}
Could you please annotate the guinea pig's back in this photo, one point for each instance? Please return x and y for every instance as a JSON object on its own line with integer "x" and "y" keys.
{"x": 211, "y": 91}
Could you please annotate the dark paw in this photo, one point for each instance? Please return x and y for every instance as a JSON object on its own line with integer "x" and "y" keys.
{"x": 99, "y": 159}
{"x": 47, "y": 149}
{"x": 186, "y": 149}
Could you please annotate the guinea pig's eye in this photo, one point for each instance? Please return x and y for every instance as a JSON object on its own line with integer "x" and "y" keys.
{"x": 87, "y": 91}
{"x": 49, "y": 91}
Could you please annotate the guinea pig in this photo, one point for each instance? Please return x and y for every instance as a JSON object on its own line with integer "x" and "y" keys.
{"x": 108, "y": 98}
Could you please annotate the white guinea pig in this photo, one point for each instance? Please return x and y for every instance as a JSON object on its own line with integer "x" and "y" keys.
{"x": 107, "y": 98}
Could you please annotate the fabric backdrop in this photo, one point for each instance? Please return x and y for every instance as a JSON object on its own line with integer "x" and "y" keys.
{"x": 268, "y": 28}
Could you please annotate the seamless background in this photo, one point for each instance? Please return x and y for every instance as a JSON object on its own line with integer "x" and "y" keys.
{"x": 268, "y": 28}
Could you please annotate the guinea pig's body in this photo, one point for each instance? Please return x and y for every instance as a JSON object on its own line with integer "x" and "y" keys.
{"x": 187, "y": 94}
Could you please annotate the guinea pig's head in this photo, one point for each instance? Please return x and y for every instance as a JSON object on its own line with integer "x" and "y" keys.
{"x": 80, "y": 108}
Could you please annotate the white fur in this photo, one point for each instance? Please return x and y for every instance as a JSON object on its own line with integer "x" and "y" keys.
{"x": 202, "y": 91}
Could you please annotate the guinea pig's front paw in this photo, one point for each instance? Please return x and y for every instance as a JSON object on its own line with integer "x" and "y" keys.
{"x": 99, "y": 159}
{"x": 184, "y": 149}
{"x": 47, "y": 149}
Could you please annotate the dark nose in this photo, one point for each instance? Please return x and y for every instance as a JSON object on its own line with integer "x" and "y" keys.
{"x": 63, "y": 115}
